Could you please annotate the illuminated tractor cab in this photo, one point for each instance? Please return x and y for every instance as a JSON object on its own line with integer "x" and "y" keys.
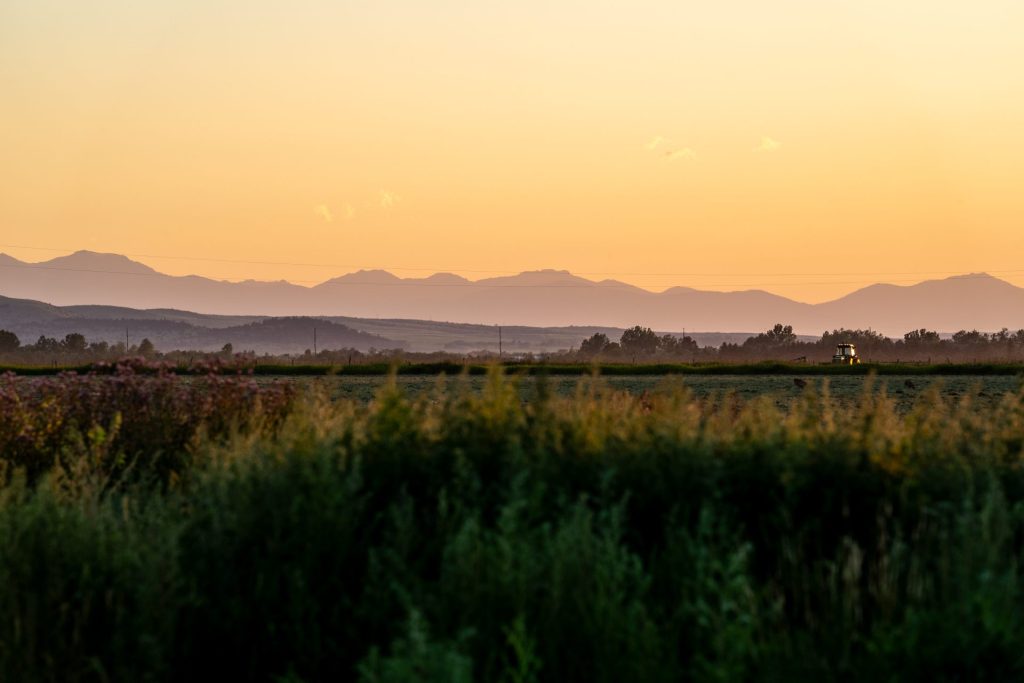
{"x": 846, "y": 354}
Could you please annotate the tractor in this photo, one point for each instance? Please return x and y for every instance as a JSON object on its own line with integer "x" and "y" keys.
{"x": 846, "y": 354}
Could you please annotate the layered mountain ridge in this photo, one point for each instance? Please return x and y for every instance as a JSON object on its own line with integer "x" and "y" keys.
{"x": 536, "y": 298}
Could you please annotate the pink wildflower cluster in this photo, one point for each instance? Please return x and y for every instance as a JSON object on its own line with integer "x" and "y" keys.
{"x": 134, "y": 414}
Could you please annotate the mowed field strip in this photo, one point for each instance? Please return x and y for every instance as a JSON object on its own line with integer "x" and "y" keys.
{"x": 903, "y": 390}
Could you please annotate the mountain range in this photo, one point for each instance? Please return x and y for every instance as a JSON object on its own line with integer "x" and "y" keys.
{"x": 546, "y": 298}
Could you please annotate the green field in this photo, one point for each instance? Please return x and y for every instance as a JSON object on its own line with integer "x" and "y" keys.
{"x": 428, "y": 369}
{"x": 982, "y": 389}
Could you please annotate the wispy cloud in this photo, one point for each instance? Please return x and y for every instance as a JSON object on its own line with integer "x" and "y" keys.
{"x": 324, "y": 212}
{"x": 680, "y": 154}
{"x": 660, "y": 145}
{"x": 655, "y": 142}
{"x": 350, "y": 212}
{"x": 388, "y": 199}
{"x": 768, "y": 145}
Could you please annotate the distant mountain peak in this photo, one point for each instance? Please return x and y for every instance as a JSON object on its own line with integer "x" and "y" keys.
{"x": 974, "y": 276}
{"x": 556, "y": 273}
{"x": 102, "y": 262}
{"x": 985, "y": 280}
{"x": 619, "y": 284}
{"x": 446, "y": 278}
{"x": 543, "y": 276}
{"x": 374, "y": 276}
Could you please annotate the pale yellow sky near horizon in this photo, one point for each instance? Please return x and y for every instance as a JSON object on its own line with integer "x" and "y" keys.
{"x": 807, "y": 148}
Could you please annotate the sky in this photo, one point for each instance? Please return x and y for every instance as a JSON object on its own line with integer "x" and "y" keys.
{"x": 806, "y": 148}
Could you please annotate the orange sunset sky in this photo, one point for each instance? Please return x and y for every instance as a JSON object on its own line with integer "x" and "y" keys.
{"x": 807, "y": 148}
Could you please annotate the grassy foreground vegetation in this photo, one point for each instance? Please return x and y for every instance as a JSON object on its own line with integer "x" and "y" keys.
{"x": 154, "y": 528}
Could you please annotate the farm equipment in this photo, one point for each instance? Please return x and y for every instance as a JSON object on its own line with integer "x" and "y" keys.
{"x": 846, "y": 354}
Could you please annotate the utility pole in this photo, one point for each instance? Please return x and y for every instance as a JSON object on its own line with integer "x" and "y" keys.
{"x": 499, "y": 342}
{"x": 314, "y": 342}
{"x": 126, "y": 341}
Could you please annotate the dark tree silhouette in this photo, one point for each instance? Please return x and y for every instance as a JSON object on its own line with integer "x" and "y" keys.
{"x": 972, "y": 338}
{"x": 594, "y": 345}
{"x": 146, "y": 348}
{"x": 9, "y": 341}
{"x": 779, "y": 337}
{"x": 74, "y": 343}
{"x": 678, "y": 346}
{"x": 45, "y": 343}
{"x": 922, "y": 337}
{"x": 639, "y": 341}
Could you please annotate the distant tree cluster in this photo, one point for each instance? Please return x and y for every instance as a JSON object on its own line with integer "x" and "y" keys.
{"x": 637, "y": 344}
{"x": 640, "y": 342}
{"x": 782, "y": 343}
{"x": 8, "y": 341}
{"x": 73, "y": 347}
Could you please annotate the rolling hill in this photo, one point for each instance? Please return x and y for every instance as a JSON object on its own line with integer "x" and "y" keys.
{"x": 175, "y": 329}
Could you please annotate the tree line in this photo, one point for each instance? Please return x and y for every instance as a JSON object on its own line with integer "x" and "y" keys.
{"x": 782, "y": 344}
{"x": 73, "y": 344}
{"x": 636, "y": 344}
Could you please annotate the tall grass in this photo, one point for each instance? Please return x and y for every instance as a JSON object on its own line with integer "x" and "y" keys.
{"x": 471, "y": 536}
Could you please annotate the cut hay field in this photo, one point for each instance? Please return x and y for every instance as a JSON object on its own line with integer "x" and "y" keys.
{"x": 781, "y": 389}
